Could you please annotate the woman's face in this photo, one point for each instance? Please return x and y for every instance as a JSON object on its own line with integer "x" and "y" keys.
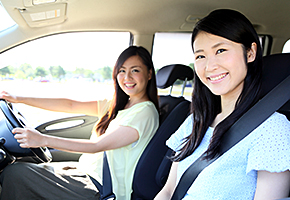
{"x": 133, "y": 77}
{"x": 220, "y": 64}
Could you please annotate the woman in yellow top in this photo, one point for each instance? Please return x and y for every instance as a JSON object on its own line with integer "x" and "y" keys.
{"x": 127, "y": 124}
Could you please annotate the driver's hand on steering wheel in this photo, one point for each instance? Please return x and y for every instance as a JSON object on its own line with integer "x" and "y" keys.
{"x": 29, "y": 137}
{"x": 8, "y": 97}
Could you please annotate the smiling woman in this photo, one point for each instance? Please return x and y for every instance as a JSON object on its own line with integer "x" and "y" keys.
{"x": 212, "y": 51}
{"x": 127, "y": 123}
{"x": 133, "y": 77}
{"x": 228, "y": 76}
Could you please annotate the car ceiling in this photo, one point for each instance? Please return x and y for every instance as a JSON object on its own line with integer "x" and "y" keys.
{"x": 145, "y": 17}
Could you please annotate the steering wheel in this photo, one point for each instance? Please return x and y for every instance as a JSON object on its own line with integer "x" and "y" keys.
{"x": 13, "y": 118}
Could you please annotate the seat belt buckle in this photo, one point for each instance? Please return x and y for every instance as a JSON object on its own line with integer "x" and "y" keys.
{"x": 109, "y": 197}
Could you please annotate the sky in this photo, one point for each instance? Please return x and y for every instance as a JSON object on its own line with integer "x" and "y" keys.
{"x": 90, "y": 50}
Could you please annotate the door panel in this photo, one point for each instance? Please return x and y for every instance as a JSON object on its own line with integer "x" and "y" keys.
{"x": 78, "y": 127}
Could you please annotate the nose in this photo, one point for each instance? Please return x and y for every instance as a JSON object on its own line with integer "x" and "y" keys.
{"x": 128, "y": 76}
{"x": 211, "y": 63}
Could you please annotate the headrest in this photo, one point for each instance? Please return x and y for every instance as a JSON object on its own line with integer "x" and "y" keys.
{"x": 276, "y": 69}
{"x": 167, "y": 75}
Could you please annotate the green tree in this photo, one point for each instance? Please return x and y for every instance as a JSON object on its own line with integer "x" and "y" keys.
{"x": 80, "y": 71}
{"x": 20, "y": 74}
{"x": 27, "y": 70}
{"x": 57, "y": 72}
{"x": 106, "y": 72}
{"x": 4, "y": 71}
{"x": 40, "y": 71}
{"x": 85, "y": 73}
{"x": 89, "y": 74}
{"x": 191, "y": 65}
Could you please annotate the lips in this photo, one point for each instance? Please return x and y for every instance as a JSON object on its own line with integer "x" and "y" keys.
{"x": 217, "y": 78}
{"x": 130, "y": 85}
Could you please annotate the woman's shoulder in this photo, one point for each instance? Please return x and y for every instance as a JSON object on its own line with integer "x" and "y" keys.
{"x": 145, "y": 106}
{"x": 140, "y": 111}
{"x": 276, "y": 121}
{"x": 270, "y": 145}
{"x": 145, "y": 103}
{"x": 182, "y": 132}
{"x": 275, "y": 129}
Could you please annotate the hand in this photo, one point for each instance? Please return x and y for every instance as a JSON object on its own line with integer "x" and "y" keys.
{"x": 11, "y": 98}
{"x": 29, "y": 137}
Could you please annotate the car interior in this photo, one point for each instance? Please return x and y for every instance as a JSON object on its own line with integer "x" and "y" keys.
{"x": 143, "y": 22}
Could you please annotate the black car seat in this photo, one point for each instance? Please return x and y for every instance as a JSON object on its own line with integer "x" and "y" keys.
{"x": 153, "y": 167}
{"x": 276, "y": 69}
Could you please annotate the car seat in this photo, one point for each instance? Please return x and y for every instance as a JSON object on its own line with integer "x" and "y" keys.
{"x": 153, "y": 166}
{"x": 276, "y": 69}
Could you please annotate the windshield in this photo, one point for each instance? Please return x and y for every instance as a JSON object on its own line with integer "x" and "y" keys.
{"x": 6, "y": 21}
{"x": 76, "y": 65}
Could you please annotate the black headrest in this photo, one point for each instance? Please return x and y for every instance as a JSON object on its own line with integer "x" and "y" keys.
{"x": 276, "y": 69}
{"x": 167, "y": 75}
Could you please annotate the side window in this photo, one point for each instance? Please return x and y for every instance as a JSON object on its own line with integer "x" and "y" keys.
{"x": 266, "y": 43}
{"x": 286, "y": 48}
{"x": 173, "y": 48}
{"x": 75, "y": 65}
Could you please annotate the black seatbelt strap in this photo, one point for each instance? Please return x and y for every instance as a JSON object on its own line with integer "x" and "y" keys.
{"x": 105, "y": 190}
{"x": 263, "y": 109}
{"x": 107, "y": 180}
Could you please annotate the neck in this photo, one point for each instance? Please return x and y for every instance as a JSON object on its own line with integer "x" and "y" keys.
{"x": 228, "y": 106}
{"x": 132, "y": 101}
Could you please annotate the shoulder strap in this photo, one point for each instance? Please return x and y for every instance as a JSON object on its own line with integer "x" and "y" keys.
{"x": 239, "y": 130}
{"x": 107, "y": 181}
{"x": 105, "y": 190}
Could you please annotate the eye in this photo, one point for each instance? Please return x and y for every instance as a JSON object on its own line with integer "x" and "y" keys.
{"x": 220, "y": 51}
{"x": 121, "y": 71}
{"x": 199, "y": 57}
{"x": 135, "y": 70}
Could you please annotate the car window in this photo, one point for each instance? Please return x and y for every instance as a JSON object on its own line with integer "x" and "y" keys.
{"x": 173, "y": 48}
{"x": 6, "y": 21}
{"x": 74, "y": 65}
{"x": 286, "y": 48}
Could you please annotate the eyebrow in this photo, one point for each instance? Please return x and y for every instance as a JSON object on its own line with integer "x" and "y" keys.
{"x": 213, "y": 47}
{"x": 135, "y": 66}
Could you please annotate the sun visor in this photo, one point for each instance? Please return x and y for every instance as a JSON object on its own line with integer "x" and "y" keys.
{"x": 44, "y": 14}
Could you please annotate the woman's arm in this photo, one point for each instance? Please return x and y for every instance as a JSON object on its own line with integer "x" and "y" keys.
{"x": 272, "y": 185}
{"x": 169, "y": 187}
{"x": 55, "y": 104}
{"x": 121, "y": 136}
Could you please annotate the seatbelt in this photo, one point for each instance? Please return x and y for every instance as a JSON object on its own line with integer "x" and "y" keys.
{"x": 105, "y": 190}
{"x": 239, "y": 130}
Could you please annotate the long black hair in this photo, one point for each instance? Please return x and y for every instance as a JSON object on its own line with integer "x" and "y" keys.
{"x": 120, "y": 98}
{"x": 205, "y": 106}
